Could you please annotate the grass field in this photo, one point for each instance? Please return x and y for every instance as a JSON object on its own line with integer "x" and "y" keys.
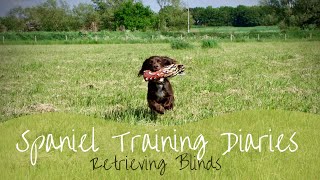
{"x": 229, "y": 29}
{"x": 101, "y": 80}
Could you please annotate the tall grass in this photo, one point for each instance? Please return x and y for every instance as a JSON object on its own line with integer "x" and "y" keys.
{"x": 180, "y": 44}
{"x": 209, "y": 43}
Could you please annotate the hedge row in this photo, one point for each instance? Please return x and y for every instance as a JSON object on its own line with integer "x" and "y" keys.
{"x": 151, "y": 37}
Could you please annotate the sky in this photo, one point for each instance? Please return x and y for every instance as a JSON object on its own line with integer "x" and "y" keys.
{"x": 6, "y": 5}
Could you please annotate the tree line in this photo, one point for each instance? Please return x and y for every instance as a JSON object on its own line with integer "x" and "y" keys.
{"x": 285, "y": 13}
{"x": 57, "y": 15}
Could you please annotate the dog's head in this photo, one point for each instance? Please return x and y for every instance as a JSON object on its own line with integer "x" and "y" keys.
{"x": 155, "y": 63}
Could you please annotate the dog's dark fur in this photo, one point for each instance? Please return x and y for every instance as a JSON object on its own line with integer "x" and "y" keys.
{"x": 160, "y": 94}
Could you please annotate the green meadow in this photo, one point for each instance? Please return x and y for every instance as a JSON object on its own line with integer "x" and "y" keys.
{"x": 100, "y": 80}
{"x": 228, "y": 29}
{"x": 266, "y": 89}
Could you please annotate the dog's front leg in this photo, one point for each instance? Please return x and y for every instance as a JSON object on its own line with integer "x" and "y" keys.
{"x": 169, "y": 103}
{"x": 156, "y": 106}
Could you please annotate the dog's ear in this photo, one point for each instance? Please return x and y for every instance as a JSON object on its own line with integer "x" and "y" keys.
{"x": 168, "y": 61}
{"x": 145, "y": 66}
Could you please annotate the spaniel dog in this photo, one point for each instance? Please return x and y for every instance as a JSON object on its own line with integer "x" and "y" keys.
{"x": 160, "y": 94}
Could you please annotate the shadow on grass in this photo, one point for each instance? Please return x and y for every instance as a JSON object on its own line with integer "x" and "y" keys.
{"x": 131, "y": 114}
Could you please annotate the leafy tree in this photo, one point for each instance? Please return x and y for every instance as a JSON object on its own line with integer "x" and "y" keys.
{"x": 167, "y": 21}
{"x": 198, "y": 14}
{"x": 14, "y": 21}
{"x": 296, "y": 12}
{"x": 52, "y": 16}
{"x": 134, "y": 16}
{"x": 106, "y": 9}
{"x": 164, "y": 3}
{"x": 86, "y": 16}
{"x": 222, "y": 16}
{"x": 269, "y": 16}
{"x": 210, "y": 16}
{"x": 307, "y": 13}
{"x": 108, "y": 4}
{"x": 173, "y": 18}
{"x": 245, "y": 16}
{"x": 225, "y": 16}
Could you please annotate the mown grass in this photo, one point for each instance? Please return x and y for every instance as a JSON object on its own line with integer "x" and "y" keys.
{"x": 230, "y": 29}
{"x": 302, "y": 164}
{"x": 100, "y": 80}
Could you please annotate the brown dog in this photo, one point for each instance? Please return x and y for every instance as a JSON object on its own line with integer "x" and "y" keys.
{"x": 160, "y": 94}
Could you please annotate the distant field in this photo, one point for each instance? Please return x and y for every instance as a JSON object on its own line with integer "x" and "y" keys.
{"x": 229, "y": 29}
{"x": 101, "y": 80}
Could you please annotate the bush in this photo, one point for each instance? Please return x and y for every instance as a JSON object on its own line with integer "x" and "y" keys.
{"x": 209, "y": 44}
{"x": 240, "y": 40}
{"x": 180, "y": 44}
